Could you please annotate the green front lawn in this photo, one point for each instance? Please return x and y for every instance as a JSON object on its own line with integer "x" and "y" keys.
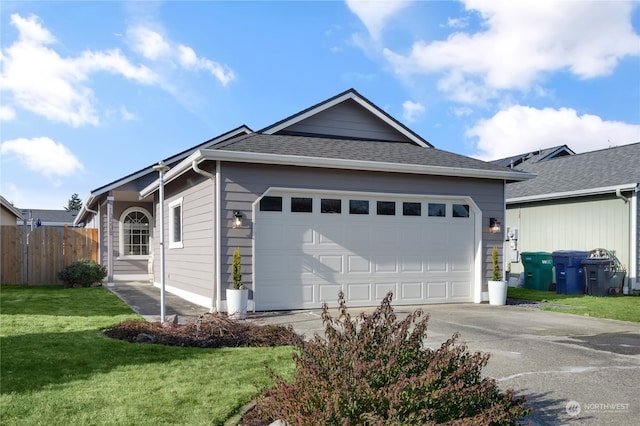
{"x": 56, "y": 368}
{"x": 624, "y": 308}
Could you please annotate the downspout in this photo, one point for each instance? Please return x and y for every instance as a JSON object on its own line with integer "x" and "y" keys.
{"x": 622, "y": 197}
{"x": 216, "y": 222}
{"x": 635, "y": 233}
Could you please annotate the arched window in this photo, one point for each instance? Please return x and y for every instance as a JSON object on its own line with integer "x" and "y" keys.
{"x": 135, "y": 231}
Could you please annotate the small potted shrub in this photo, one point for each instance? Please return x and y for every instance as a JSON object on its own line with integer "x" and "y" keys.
{"x": 497, "y": 286}
{"x": 238, "y": 295}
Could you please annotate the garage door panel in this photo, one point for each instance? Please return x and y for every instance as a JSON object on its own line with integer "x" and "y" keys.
{"x": 436, "y": 264}
{"x": 328, "y": 293}
{"x": 412, "y": 291}
{"x": 358, "y": 264}
{"x": 386, "y": 264}
{"x": 460, "y": 289}
{"x": 359, "y": 292}
{"x": 330, "y": 263}
{"x": 437, "y": 290}
{"x": 383, "y": 288}
{"x": 330, "y": 236}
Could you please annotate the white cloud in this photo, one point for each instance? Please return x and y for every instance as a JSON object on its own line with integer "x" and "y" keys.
{"x": 154, "y": 46}
{"x": 43, "y": 82}
{"x": 411, "y": 110}
{"x": 374, "y": 14}
{"x": 519, "y": 129}
{"x": 43, "y": 155}
{"x": 7, "y": 113}
{"x": 189, "y": 60}
{"x": 148, "y": 43}
{"x": 126, "y": 115}
{"x": 521, "y": 42}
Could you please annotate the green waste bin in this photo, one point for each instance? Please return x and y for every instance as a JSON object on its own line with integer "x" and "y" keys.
{"x": 538, "y": 270}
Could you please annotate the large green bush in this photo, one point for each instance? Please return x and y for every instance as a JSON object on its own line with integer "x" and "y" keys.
{"x": 82, "y": 273}
{"x": 375, "y": 370}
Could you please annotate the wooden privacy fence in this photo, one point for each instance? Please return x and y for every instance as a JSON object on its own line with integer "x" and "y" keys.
{"x": 48, "y": 250}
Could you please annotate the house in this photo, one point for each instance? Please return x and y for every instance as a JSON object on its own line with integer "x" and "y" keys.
{"x": 9, "y": 214}
{"x": 338, "y": 196}
{"x": 34, "y": 218}
{"x": 579, "y": 202}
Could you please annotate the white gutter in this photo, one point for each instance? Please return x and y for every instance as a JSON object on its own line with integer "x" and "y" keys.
{"x": 578, "y": 193}
{"x": 334, "y": 163}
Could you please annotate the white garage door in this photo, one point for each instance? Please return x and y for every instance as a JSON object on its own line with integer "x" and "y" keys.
{"x": 310, "y": 245}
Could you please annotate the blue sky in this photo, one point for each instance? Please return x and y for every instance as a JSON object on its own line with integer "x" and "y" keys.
{"x": 93, "y": 91}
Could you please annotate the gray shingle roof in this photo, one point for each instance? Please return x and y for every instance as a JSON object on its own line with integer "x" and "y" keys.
{"x": 348, "y": 149}
{"x": 597, "y": 169}
{"x": 517, "y": 161}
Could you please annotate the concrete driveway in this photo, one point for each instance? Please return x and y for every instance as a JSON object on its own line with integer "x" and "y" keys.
{"x": 573, "y": 369}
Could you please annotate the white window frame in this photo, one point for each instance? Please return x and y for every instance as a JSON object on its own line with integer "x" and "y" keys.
{"x": 121, "y": 236}
{"x": 173, "y": 242}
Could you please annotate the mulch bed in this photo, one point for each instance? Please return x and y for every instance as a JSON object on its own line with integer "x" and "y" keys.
{"x": 209, "y": 331}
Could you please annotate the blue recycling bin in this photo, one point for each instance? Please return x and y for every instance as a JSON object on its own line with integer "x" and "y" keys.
{"x": 569, "y": 271}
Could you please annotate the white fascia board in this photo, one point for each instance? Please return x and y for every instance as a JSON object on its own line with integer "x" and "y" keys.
{"x": 177, "y": 170}
{"x": 340, "y": 99}
{"x": 572, "y": 194}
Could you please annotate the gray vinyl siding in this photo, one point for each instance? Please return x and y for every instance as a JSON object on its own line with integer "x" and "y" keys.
{"x": 192, "y": 267}
{"x": 243, "y": 183}
{"x": 347, "y": 119}
{"x": 583, "y": 223}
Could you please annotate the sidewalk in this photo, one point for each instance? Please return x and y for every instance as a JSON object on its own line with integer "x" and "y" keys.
{"x": 144, "y": 299}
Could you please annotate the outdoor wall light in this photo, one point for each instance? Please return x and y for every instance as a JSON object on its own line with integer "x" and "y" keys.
{"x": 494, "y": 225}
{"x": 237, "y": 219}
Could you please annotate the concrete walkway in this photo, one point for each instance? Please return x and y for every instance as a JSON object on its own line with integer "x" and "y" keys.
{"x": 573, "y": 369}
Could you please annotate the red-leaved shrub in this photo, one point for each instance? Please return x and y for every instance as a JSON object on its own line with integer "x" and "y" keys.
{"x": 375, "y": 370}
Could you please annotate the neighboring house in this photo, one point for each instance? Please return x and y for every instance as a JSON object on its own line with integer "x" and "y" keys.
{"x": 9, "y": 214}
{"x": 580, "y": 202}
{"x": 34, "y": 218}
{"x": 340, "y": 196}
{"x": 519, "y": 161}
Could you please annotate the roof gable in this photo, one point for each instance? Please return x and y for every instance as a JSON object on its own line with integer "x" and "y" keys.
{"x": 346, "y": 115}
{"x": 5, "y": 204}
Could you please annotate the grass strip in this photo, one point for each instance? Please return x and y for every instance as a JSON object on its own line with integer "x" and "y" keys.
{"x": 58, "y": 369}
{"x": 619, "y": 307}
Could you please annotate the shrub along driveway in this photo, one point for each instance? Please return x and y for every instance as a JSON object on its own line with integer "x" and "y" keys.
{"x": 573, "y": 369}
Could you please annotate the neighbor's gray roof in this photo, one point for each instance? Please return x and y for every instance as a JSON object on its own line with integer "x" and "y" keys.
{"x": 50, "y": 216}
{"x": 518, "y": 161}
{"x": 580, "y": 172}
{"x": 349, "y": 149}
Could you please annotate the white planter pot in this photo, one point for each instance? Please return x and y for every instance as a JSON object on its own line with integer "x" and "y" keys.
{"x": 237, "y": 301}
{"x": 497, "y": 292}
